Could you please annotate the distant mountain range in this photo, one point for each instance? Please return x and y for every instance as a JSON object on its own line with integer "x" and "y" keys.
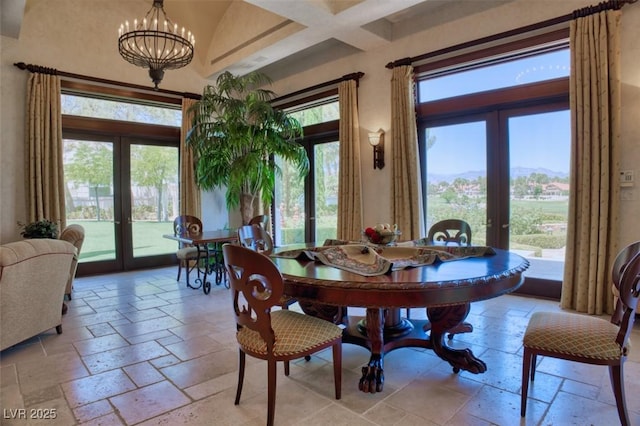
{"x": 515, "y": 173}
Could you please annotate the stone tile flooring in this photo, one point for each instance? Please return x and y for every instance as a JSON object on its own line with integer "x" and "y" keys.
{"x": 141, "y": 348}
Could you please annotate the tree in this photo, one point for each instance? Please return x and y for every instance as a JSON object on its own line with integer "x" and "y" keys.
{"x": 154, "y": 166}
{"x": 91, "y": 164}
{"x": 235, "y": 135}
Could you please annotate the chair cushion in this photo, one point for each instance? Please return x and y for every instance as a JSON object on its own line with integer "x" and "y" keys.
{"x": 189, "y": 253}
{"x": 573, "y": 334}
{"x": 295, "y": 333}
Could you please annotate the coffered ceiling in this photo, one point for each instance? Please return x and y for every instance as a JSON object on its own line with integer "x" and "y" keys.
{"x": 281, "y": 37}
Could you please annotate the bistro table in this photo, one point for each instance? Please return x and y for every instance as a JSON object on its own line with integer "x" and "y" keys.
{"x": 209, "y": 244}
{"x": 446, "y": 289}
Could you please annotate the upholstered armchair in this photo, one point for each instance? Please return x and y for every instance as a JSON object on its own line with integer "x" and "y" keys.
{"x": 33, "y": 277}
{"x": 75, "y": 235}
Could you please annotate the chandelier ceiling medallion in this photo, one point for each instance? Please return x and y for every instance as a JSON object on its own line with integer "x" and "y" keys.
{"x": 156, "y": 43}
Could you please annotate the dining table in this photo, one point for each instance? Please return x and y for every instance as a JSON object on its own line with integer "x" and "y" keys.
{"x": 210, "y": 261}
{"x": 444, "y": 285}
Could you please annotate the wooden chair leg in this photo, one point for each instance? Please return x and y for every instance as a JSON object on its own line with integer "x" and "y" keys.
{"x": 534, "y": 362}
{"x": 526, "y": 367}
{"x": 59, "y": 329}
{"x": 241, "y": 360}
{"x": 179, "y": 269}
{"x": 286, "y": 368}
{"x": 271, "y": 391}
{"x": 617, "y": 383}
{"x": 337, "y": 369}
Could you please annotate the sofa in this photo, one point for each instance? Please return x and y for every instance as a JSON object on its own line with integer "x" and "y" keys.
{"x": 33, "y": 276}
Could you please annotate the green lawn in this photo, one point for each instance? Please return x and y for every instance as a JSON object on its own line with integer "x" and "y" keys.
{"x": 99, "y": 242}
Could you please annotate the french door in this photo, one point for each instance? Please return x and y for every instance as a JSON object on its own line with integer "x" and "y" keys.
{"x": 124, "y": 192}
{"x": 505, "y": 172}
{"x": 307, "y": 211}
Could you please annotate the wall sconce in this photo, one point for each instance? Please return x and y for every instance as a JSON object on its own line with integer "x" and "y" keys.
{"x": 376, "y": 140}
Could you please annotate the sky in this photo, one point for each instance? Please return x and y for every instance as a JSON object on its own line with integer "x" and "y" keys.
{"x": 535, "y": 141}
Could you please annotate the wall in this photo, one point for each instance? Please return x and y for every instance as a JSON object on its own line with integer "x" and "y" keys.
{"x": 53, "y": 35}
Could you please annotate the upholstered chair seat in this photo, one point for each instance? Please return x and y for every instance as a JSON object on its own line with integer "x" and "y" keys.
{"x": 574, "y": 335}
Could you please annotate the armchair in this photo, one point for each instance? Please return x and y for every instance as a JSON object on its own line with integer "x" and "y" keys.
{"x": 33, "y": 277}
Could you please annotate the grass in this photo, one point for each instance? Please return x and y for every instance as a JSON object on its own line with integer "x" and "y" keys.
{"x": 99, "y": 241}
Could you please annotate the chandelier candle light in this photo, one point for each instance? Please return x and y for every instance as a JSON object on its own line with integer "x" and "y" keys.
{"x": 156, "y": 43}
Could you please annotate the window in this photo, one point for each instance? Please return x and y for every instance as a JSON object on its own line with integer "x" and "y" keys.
{"x": 121, "y": 161}
{"x": 495, "y": 141}
{"x": 308, "y": 211}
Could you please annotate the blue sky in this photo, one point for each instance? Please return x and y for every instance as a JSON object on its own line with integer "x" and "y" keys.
{"x": 535, "y": 141}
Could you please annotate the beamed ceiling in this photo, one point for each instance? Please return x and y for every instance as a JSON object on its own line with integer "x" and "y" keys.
{"x": 282, "y": 37}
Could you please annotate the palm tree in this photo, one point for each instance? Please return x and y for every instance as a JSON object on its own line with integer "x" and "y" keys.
{"x": 235, "y": 135}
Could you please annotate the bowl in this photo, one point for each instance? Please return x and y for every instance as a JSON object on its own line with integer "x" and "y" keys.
{"x": 382, "y": 237}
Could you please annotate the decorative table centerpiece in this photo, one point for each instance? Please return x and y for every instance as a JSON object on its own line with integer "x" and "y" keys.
{"x": 382, "y": 233}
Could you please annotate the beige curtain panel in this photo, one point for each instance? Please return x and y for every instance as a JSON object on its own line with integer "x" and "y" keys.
{"x": 406, "y": 187}
{"x": 45, "y": 178}
{"x": 349, "y": 176}
{"x": 189, "y": 191}
{"x": 593, "y": 203}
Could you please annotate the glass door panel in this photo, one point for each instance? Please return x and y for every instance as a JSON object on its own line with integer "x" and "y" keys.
{"x": 89, "y": 192}
{"x": 154, "y": 198}
{"x": 289, "y": 205}
{"x": 326, "y": 159}
{"x": 539, "y": 157}
{"x": 456, "y": 175}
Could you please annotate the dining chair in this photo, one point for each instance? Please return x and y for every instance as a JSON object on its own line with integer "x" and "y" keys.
{"x": 447, "y": 231}
{"x": 275, "y": 336}
{"x": 457, "y": 232}
{"x": 186, "y": 254}
{"x": 256, "y": 238}
{"x": 261, "y": 220}
{"x": 622, "y": 259}
{"x": 587, "y": 339}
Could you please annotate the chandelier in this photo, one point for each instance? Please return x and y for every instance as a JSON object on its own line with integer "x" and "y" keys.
{"x": 155, "y": 43}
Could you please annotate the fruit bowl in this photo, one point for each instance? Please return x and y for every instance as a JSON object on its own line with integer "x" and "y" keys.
{"x": 381, "y": 235}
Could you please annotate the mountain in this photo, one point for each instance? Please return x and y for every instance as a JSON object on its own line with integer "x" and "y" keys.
{"x": 515, "y": 173}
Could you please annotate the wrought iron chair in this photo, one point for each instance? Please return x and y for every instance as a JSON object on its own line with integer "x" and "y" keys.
{"x": 588, "y": 339}
{"x": 186, "y": 254}
{"x": 280, "y": 335}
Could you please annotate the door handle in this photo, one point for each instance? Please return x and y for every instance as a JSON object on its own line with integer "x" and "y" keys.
{"x": 505, "y": 226}
{"x": 117, "y": 222}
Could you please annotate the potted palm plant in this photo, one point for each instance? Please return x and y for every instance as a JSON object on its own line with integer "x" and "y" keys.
{"x": 235, "y": 135}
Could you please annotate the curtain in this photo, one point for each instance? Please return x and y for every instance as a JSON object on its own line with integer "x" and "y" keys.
{"x": 45, "y": 179}
{"x": 189, "y": 191}
{"x": 349, "y": 181}
{"x": 593, "y": 203}
{"x": 406, "y": 188}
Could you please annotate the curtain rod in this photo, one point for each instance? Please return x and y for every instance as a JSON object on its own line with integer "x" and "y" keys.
{"x": 580, "y": 13}
{"x": 52, "y": 71}
{"x": 353, "y": 76}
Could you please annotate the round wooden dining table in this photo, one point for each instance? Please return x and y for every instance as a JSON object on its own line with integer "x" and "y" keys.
{"x": 445, "y": 289}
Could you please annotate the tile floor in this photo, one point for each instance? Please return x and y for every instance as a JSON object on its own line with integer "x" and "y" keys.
{"x": 140, "y": 348}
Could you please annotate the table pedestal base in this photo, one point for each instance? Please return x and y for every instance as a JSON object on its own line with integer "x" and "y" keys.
{"x": 382, "y": 331}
